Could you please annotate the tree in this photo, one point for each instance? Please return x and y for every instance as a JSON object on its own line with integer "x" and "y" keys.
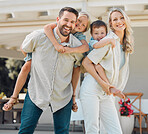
{"x": 9, "y": 69}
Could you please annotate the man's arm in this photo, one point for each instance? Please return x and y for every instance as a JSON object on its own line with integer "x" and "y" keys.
{"x": 23, "y": 51}
{"x": 30, "y": 42}
{"x": 75, "y": 80}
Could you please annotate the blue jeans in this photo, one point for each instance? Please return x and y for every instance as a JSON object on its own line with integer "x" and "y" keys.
{"x": 31, "y": 114}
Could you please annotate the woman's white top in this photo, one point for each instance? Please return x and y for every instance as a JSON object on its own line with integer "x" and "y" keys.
{"x": 110, "y": 59}
{"x": 122, "y": 60}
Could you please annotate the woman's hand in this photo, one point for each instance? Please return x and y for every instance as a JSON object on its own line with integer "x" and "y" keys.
{"x": 106, "y": 87}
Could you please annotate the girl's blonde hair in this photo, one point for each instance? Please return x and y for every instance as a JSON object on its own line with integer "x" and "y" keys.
{"x": 128, "y": 38}
{"x": 86, "y": 15}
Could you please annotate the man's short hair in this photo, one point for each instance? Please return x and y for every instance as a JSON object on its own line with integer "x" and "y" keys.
{"x": 69, "y": 9}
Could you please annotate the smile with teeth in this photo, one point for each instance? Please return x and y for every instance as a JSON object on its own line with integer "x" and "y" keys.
{"x": 99, "y": 38}
{"x": 67, "y": 29}
{"x": 120, "y": 25}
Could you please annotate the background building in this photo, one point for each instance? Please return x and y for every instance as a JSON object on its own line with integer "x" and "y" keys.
{"x": 20, "y": 17}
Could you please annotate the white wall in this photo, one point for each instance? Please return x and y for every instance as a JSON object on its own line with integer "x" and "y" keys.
{"x": 138, "y": 80}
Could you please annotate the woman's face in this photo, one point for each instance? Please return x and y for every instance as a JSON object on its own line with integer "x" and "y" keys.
{"x": 81, "y": 24}
{"x": 118, "y": 21}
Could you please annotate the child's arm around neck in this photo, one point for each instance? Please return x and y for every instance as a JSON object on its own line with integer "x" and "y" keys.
{"x": 104, "y": 42}
{"x": 80, "y": 49}
{"x": 48, "y": 29}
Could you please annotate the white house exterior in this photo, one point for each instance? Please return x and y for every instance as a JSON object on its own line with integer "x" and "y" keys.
{"x": 20, "y": 17}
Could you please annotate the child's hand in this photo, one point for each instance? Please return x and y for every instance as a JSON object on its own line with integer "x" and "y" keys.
{"x": 60, "y": 48}
{"x": 68, "y": 50}
{"x": 113, "y": 42}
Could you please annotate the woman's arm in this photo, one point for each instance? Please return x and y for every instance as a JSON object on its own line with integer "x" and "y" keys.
{"x": 81, "y": 49}
{"x": 89, "y": 66}
{"x": 48, "y": 29}
{"x": 104, "y": 42}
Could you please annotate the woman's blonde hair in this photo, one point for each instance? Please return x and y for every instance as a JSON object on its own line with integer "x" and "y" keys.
{"x": 89, "y": 21}
{"x": 128, "y": 37}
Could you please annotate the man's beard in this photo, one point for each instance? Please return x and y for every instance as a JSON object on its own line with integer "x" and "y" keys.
{"x": 63, "y": 31}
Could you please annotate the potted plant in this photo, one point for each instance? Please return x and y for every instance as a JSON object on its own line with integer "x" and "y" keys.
{"x": 127, "y": 119}
{"x": 125, "y": 108}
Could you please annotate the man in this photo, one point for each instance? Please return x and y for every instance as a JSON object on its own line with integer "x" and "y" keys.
{"x": 52, "y": 80}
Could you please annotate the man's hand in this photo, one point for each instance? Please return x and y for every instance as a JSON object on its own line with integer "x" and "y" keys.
{"x": 74, "y": 106}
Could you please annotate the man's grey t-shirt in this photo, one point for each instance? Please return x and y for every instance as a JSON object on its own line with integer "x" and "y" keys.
{"x": 51, "y": 72}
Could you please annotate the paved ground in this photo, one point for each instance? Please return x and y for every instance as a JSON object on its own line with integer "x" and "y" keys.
{"x": 43, "y": 129}
{"x": 40, "y": 129}
{"x": 36, "y": 132}
{"x": 46, "y": 132}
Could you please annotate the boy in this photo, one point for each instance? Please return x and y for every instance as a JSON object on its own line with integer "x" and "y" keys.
{"x": 98, "y": 30}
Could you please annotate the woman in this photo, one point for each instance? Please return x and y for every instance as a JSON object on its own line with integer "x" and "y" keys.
{"x": 95, "y": 102}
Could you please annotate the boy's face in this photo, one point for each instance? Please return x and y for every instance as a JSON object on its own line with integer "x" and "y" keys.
{"x": 99, "y": 33}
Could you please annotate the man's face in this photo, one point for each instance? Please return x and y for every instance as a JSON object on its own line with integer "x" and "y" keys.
{"x": 66, "y": 23}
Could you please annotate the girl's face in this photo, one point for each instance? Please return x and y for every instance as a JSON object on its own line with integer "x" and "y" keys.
{"x": 81, "y": 24}
{"x": 117, "y": 21}
{"x": 99, "y": 33}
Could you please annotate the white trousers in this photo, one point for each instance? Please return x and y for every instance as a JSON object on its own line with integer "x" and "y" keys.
{"x": 95, "y": 105}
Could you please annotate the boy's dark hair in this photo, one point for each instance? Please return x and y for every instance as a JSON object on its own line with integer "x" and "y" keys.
{"x": 69, "y": 9}
{"x": 97, "y": 24}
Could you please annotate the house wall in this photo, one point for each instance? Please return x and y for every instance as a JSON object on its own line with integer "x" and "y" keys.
{"x": 12, "y": 34}
{"x": 138, "y": 78}
{"x": 138, "y": 63}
